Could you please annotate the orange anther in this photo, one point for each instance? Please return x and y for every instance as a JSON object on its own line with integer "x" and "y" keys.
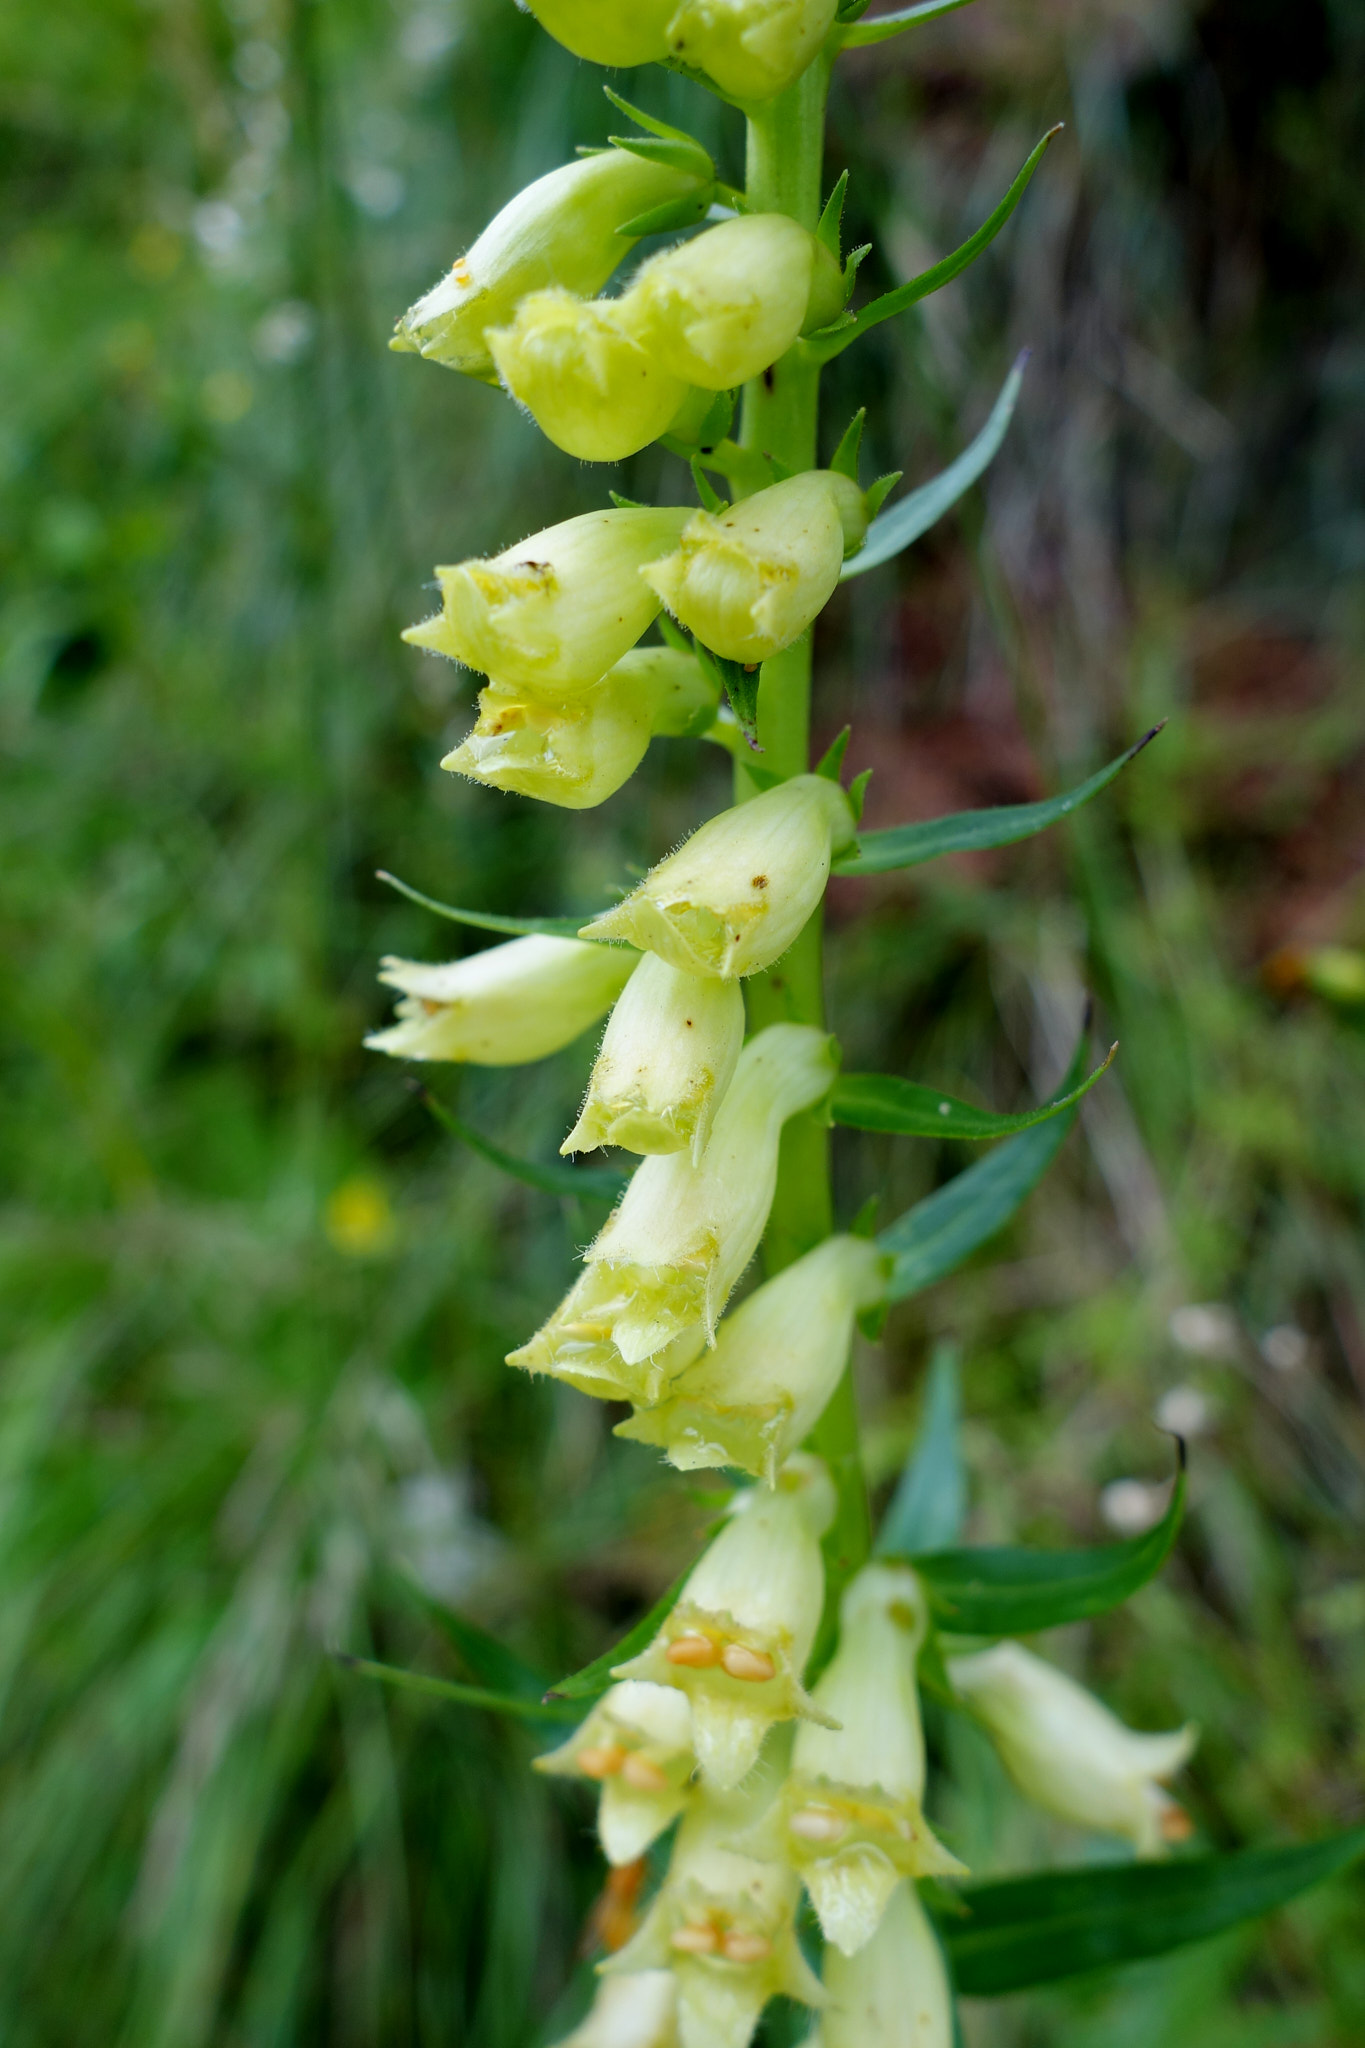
{"x": 818, "y": 1824}
{"x": 1176, "y": 1825}
{"x": 600, "y": 1759}
{"x": 739, "y": 1947}
{"x": 642, "y": 1774}
{"x": 695, "y": 1941}
{"x": 699, "y": 1653}
{"x": 755, "y": 1667}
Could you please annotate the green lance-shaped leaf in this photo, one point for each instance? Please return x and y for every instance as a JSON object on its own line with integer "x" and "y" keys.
{"x": 909, "y": 846}
{"x": 492, "y": 1663}
{"x": 1015, "y": 1592}
{"x": 1024, "y": 1931}
{"x": 930, "y": 1500}
{"x": 894, "y": 530}
{"x": 448, "y": 1689}
{"x": 882, "y": 27}
{"x": 940, "y": 1232}
{"x": 595, "y": 1678}
{"x": 823, "y": 346}
{"x": 906, "y": 1109}
{"x": 485, "y": 920}
{"x": 592, "y": 1184}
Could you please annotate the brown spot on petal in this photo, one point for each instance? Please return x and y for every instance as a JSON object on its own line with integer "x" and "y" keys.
{"x": 758, "y": 881}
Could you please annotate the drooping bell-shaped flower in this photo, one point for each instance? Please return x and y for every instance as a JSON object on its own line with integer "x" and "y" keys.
{"x": 662, "y": 1268}
{"x": 777, "y": 1360}
{"x": 504, "y": 1006}
{"x": 894, "y": 1992}
{"x": 1067, "y": 1752}
{"x": 582, "y": 371}
{"x": 724, "y": 1924}
{"x": 749, "y": 581}
{"x": 737, "y": 1639}
{"x": 670, "y": 1052}
{"x": 559, "y": 231}
{"x": 577, "y": 751}
{"x": 615, "y": 32}
{"x": 637, "y": 1745}
{"x": 849, "y": 1818}
{"x": 638, "y": 2011}
{"x": 751, "y": 49}
{"x": 556, "y": 612}
{"x": 734, "y": 896}
{"x": 717, "y": 310}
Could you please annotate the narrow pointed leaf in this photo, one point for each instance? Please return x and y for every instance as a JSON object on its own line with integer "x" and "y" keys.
{"x": 883, "y": 1102}
{"x": 448, "y": 1689}
{"x": 930, "y": 1501}
{"x": 1034, "y": 1930}
{"x": 486, "y": 920}
{"x": 909, "y": 846}
{"x": 584, "y": 1183}
{"x": 883, "y": 26}
{"x": 492, "y": 1663}
{"x": 595, "y": 1678}
{"x": 891, "y": 532}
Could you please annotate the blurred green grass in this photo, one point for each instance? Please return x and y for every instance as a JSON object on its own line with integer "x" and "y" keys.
{"x": 255, "y": 1307}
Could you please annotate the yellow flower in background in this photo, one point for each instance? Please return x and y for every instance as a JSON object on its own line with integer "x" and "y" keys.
{"x": 358, "y": 1217}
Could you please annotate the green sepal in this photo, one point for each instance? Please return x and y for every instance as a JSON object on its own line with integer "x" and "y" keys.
{"x": 672, "y": 635}
{"x": 623, "y": 504}
{"x": 864, "y": 1223}
{"x": 740, "y": 685}
{"x": 710, "y": 497}
{"x": 857, "y": 794}
{"x": 673, "y": 214}
{"x": 879, "y": 490}
{"x": 845, "y": 456}
{"x": 586, "y": 1183}
{"x": 929, "y": 1506}
{"x": 657, "y": 128}
{"x": 745, "y": 468}
{"x": 856, "y": 258}
{"x": 832, "y": 760}
{"x": 849, "y": 10}
{"x": 831, "y": 220}
{"x": 487, "y": 920}
{"x": 448, "y": 1689}
{"x": 907, "y": 1109}
{"x": 885, "y": 26}
{"x": 932, "y": 1673}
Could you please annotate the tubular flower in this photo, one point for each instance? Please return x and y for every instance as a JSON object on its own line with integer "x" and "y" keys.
{"x": 724, "y": 1924}
{"x": 751, "y": 49}
{"x": 578, "y": 751}
{"x": 560, "y": 231}
{"x": 557, "y": 612}
{"x": 637, "y": 1745}
{"x": 777, "y": 1360}
{"x": 719, "y": 309}
{"x": 849, "y": 1817}
{"x": 894, "y": 1993}
{"x": 669, "y": 1054}
{"x": 504, "y": 1006}
{"x": 749, "y": 581}
{"x": 733, "y": 897}
{"x": 1068, "y": 1754}
{"x": 578, "y": 367}
{"x": 617, "y": 32}
{"x": 639, "y": 2011}
{"x": 737, "y": 1639}
{"x": 662, "y": 1268}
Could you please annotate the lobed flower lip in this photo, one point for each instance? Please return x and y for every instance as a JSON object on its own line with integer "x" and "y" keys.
{"x": 636, "y": 1744}
{"x": 582, "y": 373}
{"x": 638, "y": 2011}
{"x": 894, "y": 1991}
{"x": 719, "y": 309}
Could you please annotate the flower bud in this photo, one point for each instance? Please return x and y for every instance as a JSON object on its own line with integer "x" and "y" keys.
{"x": 849, "y": 1817}
{"x": 581, "y": 372}
{"x": 751, "y": 49}
{"x": 559, "y": 231}
{"x": 577, "y": 751}
{"x": 664, "y": 1265}
{"x": 777, "y": 1360}
{"x": 670, "y": 1052}
{"x": 750, "y": 580}
{"x": 894, "y": 1993}
{"x": 638, "y": 2011}
{"x": 723, "y": 1924}
{"x": 555, "y": 613}
{"x": 615, "y": 32}
{"x": 1071, "y": 1756}
{"x": 637, "y": 1745}
{"x": 733, "y": 897}
{"x": 719, "y": 309}
{"x": 504, "y": 1006}
{"x": 737, "y": 1639}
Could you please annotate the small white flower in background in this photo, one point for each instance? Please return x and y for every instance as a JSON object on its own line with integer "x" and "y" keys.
{"x": 1206, "y": 1329}
{"x": 737, "y": 1639}
{"x": 849, "y": 1817}
{"x": 504, "y": 1006}
{"x": 1132, "y": 1506}
{"x": 639, "y": 2011}
{"x": 776, "y": 1361}
{"x": 285, "y": 333}
{"x": 894, "y": 1993}
{"x": 1071, "y": 1756}
{"x": 671, "y": 1048}
{"x": 733, "y": 897}
{"x": 637, "y": 1745}
{"x": 1183, "y": 1410}
{"x": 1285, "y": 1348}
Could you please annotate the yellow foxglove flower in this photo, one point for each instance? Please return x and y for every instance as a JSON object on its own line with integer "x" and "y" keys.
{"x": 733, "y": 897}
{"x": 848, "y": 1818}
{"x": 737, "y": 1639}
{"x": 637, "y": 1745}
{"x": 777, "y": 1359}
{"x": 504, "y": 1006}
{"x": 615, "y": 32}
{"x": 577, "y": 751}
{"x": 670, "y": 1052}
{"x": 664, "y": 1265}
{"x": 1071, "y": 1756}
{"x": 724, "y": 1924}
{"x": 555, "y": 613}
{"x": 749, "y": 581}
{"x": 561, "y": 230}
{"x": 580, "y": 370}
{"x": 751, "y": 49}
{"x": 719, "y": 309}
{"x": 894, "y": 1993}
{"x": 639, "y": 2011}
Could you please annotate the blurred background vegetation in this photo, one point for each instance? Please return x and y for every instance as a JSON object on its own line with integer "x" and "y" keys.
{"x": 256, "y": 1305}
